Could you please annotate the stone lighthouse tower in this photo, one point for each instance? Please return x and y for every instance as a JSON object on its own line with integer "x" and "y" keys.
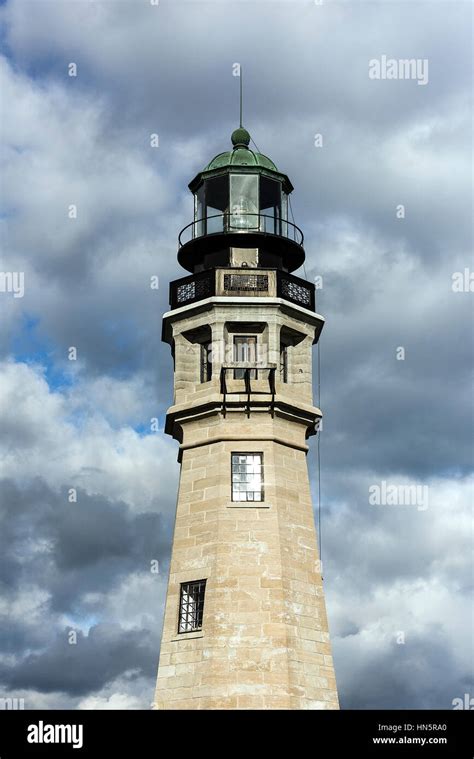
{"x": 245, "y": 623}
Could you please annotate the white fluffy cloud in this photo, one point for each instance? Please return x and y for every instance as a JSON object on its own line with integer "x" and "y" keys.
{"x": 68, "y": 440}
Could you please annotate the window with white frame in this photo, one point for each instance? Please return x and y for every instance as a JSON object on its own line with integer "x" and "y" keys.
{"x": 247, "y": 476}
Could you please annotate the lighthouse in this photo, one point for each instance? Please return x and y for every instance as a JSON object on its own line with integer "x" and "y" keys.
{"x": 245, "y": 623}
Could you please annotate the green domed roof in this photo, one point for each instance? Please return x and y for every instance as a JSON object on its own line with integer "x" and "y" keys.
{"x": 241, "y": 155}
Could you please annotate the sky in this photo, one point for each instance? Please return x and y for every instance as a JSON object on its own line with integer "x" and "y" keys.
{"x": 87, "y": 483}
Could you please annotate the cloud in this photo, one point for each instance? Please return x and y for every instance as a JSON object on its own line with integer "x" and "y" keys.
{"x": 87, "y": 563}
{"x": 84, "y": 449}
{"x": 92, "y": 662}
{"x": 399, "y": 584}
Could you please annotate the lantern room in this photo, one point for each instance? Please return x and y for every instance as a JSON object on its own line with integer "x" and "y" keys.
{"x": 241, "y": 204}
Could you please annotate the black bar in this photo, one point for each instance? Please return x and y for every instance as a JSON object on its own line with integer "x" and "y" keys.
{"x": 223, "y": 389}
{"x": 247, "y": 388}
{"x": 271, "y": 382}
{"x": 333, "y": 733}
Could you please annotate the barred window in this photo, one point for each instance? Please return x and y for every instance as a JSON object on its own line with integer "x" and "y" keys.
{"x": 247, "y": 476}
{"x": 191, "y": 606}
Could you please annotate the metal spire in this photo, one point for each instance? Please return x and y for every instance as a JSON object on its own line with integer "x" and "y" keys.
{"x": 241, "y": 97}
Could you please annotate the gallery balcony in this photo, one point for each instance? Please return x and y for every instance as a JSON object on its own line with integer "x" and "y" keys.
{"x": 211, "y": 235}
{"x": 245, "y": 283}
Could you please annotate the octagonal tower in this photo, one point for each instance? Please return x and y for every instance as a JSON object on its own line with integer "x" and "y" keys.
{"x": 245, "y": 622}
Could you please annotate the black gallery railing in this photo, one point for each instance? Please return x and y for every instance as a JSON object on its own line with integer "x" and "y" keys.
{"x": 240, "y": 221}
{"x": 193, "y": 288}
{"x": 203, "y": 285}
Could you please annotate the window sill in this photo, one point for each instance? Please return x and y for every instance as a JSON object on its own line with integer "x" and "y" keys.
{"x": 248, "y": 505}
{"x": 188, "y": 636}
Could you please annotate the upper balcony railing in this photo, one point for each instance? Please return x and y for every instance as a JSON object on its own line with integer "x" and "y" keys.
{"x": 241, "y": 222}
{"x": 244, "y": 282}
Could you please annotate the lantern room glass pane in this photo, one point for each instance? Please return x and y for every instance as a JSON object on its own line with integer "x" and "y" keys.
{"x": 243, "y": 202}
{"x": 270, "y": 205}
{"x": 217, "y": 202}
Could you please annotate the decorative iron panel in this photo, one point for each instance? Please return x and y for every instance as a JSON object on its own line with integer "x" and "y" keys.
{"x": 296, "y": 292}
{"x": 191, "y": 289}
{"x": 246, "y": 282}
{"x": 204, "y": 287}
{"x": 185, "y": 292}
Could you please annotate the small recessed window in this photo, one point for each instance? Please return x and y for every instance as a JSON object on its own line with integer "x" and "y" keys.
{"x": 206, "y": 362}
{"x": 245, "y": 352}
{"x": 247, "y": 477}
{"x": 191, "y": 606}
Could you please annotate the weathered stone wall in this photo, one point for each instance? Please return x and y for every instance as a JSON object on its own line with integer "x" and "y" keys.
{"x": 187, "y": 387}
{"x": 265, "y": 640}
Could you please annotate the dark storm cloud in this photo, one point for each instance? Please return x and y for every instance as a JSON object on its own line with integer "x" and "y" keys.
{"x": 68, "y": 551}
{"x": 413, "y": 415}
{"x": 88, "y": 665}
{"x": 17, "y": 636}
{"x": 420, "y": 676}
{"x": 73, "y": 548}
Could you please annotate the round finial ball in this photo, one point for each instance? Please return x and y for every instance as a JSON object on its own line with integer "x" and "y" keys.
{"x": 240, "y": 136}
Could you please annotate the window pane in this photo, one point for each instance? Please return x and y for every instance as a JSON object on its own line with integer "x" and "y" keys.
{"x": 247, "y": 478}
{"x": 245, "y": 349}
{"x": 245, "y": 352}
{"x": 243, "y": 202}
{"x": 270, "y": 205}
{"x": 217, "y": 202}
{"x": 191, "y": 606}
